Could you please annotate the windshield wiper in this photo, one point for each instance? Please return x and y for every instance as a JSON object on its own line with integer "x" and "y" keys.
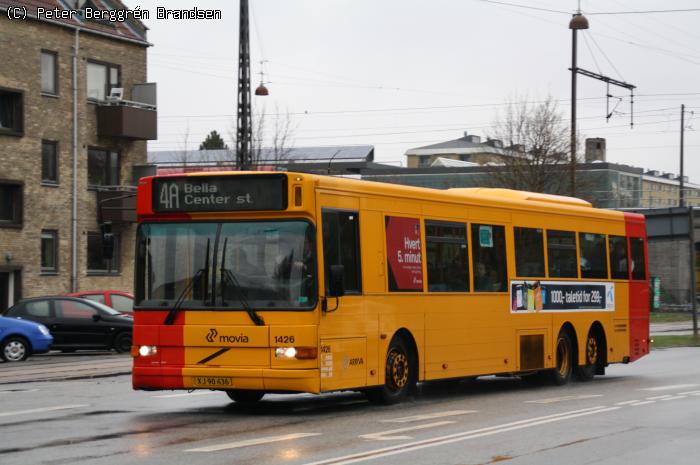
{"x": 170, "y": 318}
{"x": 227, "y": 275}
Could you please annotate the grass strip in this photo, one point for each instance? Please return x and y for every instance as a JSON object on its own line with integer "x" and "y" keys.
{"x": 663, "y": 342}
{"x": 670, "y": 317}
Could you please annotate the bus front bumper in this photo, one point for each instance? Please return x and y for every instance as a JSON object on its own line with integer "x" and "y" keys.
{"x": 263, "y": 379}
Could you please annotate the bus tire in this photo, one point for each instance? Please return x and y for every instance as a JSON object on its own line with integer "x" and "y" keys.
{"x": 594, "y": 354}
{"x": 563, "y": 370}
{"x": 242, "y": 396}
{"x": 400, "y": 377}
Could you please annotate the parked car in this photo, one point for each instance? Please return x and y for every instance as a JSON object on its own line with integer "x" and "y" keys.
{"x": 77, "y": 323}
{"x": 19, "y": 339}
{"x": 120, "y": 301}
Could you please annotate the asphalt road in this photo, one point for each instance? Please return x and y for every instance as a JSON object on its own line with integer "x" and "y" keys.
{"x": 642, "y": 413}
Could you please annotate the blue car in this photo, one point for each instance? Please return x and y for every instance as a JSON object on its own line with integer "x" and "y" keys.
{"x": 21, "y": 338}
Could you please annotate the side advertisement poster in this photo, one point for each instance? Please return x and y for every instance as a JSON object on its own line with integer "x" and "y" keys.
{"x": 558, "y": 296}
{"x": 403, "y": 247}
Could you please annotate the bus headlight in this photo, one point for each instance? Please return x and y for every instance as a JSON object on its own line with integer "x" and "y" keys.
{"x": 285, "y": 352}
{"x": 146, "y": 351}
{"x": 299, "y": 353}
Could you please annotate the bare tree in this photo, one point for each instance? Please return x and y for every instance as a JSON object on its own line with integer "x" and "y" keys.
{"x": 183, "y": 156}
{"x": 536, "y": 147}
{"x": 272, "y": 138}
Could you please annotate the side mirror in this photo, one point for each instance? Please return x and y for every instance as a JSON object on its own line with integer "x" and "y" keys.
{"x": 335, "y": 281}
{"x": 96, "y": 317}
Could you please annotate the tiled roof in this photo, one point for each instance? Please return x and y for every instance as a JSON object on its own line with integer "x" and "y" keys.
{"x": 132, "y": 29}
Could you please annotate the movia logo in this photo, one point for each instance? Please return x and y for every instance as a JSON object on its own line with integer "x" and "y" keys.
{"x": 213, "y": 333}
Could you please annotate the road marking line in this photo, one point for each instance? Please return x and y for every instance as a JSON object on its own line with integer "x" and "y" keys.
{"x": 659, "y": 397}
{"x": 186, "y": 394}
{"x": 644, "y": 402}
{"x": 462, "y": 436}
{"x": 42, "y": 410}
{"x": 429, "y": 416}
{"x": 552, "y": 400}
{"x": 18, "y": 391}
{"x": 381, "y": 436}
{"x": 689, "y": 393}
{"x": 675, "y": 397}
{"x": 628, "y": 402}
{"x": 252, "y": 442}
{"x": 668, "y": 388}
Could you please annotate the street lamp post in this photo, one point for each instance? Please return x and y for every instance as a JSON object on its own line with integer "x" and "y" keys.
{"x": 577, "y": 22}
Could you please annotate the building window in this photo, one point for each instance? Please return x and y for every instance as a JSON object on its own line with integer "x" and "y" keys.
{"x": 11, "y": 114}
{"x": 101, "y": 78}
{"x": 10, "y": 204}
{"x": 96, "y": 263}
{"x": 446, "y": 251}
{"x": 49, "y": 251}
{"x": 49, "y": 72}
{"x": 341, "y": 246}
{"x": 49, "y": 162}
{"x": 103, "y": 168}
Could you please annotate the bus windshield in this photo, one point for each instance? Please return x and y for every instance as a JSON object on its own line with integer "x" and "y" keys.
{"x": 267, "y": 264}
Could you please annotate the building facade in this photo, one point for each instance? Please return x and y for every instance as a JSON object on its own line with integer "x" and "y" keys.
{"x": 71, "y": 94}
{"x": 468, "y": 148}
{"x": 605, "y": 185}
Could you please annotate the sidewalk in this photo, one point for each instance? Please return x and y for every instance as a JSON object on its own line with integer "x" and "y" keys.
{"x": 58, "y": 367}
{"x": 676, "y": 328}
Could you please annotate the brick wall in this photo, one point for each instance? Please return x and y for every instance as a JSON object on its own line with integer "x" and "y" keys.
{"x": 48, "y": 117}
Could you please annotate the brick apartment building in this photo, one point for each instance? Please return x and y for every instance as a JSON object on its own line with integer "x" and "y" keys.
{"x": 75, "y": 114}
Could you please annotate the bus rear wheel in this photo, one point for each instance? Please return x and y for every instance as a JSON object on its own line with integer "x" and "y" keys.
{"x": 565, "y": 359}
{"x": 400, "y": 377}
{"x": 245, "y": 396}
{"x": 595, "y": 350}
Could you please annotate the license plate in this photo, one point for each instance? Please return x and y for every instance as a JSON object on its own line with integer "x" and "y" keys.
{"x": 213, "y": 381}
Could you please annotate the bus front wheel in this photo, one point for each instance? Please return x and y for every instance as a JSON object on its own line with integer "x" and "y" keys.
{"x": 400, "y": 377}
{"x": 245, "y": 396}
{"x": 565, "y": 359}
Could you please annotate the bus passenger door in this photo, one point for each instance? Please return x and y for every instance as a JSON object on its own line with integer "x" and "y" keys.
{"x": 343, "y": 327}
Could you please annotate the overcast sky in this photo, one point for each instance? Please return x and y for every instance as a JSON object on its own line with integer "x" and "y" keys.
{"x": 399, "y": 74}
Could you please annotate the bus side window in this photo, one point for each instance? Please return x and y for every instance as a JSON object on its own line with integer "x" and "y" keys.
{"x": 341, "y": 246}
{"x": 489, "y": 256}
{"x": 447, "y": 256}
{"x": 529, "y": 252}
{"x": 594, "y": 264}
{"x": 618, "y": 257}
{"x": 638, "y": 264}
{"x": 561, "y": 254}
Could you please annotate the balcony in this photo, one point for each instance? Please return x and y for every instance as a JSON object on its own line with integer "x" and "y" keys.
{"x": 116, "y": 204}
{"x": 135, "y": 119}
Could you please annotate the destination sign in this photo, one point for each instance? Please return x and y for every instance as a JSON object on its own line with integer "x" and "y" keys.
{"x": 220, "y": 193}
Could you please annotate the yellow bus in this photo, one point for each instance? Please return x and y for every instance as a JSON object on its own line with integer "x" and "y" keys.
{"x": 254, "y": 283}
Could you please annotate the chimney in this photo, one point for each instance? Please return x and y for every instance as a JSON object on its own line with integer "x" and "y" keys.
{"x": 595, "y": 149}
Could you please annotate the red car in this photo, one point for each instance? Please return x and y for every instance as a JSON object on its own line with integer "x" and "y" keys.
{"x": 122, "y": 302}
